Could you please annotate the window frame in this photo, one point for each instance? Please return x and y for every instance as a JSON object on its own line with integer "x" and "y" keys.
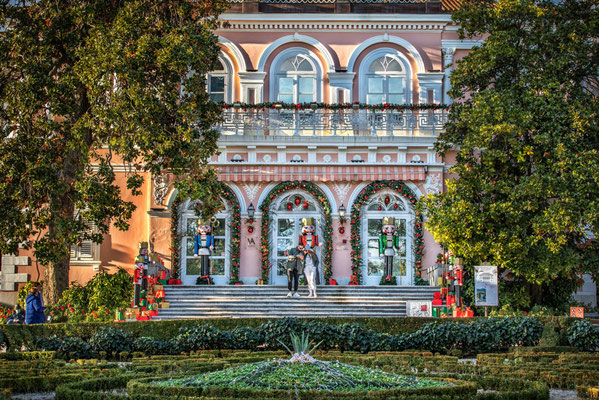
{"x": 365, "y": 74}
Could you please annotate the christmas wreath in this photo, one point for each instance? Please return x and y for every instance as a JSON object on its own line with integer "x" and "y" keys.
{"x": 235, "y": 229}
{"x": 355, "y": 223}
{"x": 327, "y": 229}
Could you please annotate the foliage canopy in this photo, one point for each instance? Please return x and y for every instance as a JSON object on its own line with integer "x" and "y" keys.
{"x": 524, "y": 124}
{"x": 91, "y": 86}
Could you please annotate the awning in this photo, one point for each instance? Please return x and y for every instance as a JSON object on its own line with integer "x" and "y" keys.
{"x": 318, "y": 173}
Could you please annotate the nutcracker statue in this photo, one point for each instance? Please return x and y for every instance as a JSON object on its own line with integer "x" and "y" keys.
{"x": 204, "y": 244}
{"x": 141, "y": 273}
{"x": 388, "y": 243}
{"x": 308, "y": 238}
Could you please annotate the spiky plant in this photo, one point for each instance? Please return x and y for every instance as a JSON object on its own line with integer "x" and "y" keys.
{"x": 301, "y": 347}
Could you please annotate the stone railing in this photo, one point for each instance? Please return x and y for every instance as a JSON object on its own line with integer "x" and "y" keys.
{"x": 328, "y": 122}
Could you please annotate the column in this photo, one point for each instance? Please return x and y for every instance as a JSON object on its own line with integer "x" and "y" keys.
{"x": 448, "y": 53}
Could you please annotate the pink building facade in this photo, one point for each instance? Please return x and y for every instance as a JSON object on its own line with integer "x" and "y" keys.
{"x": 333, "y": 108}
{"x": 288, "y": 150}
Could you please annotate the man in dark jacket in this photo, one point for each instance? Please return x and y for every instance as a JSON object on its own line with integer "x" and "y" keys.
{"x": 295, "y": 267}
{"x": 34, "y": 310}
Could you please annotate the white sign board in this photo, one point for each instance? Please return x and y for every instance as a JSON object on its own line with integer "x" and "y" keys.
{"x": 420, "y": 308}
{"x": 485, "y": 286}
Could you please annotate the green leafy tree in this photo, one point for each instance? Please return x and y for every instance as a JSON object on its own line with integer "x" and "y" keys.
{"x": 87, "y": 85}
{"x": 524, "y": 124}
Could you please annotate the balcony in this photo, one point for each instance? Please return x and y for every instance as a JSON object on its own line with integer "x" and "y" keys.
{"x": 312, "y": 121}
{"x": 341, "y": 6}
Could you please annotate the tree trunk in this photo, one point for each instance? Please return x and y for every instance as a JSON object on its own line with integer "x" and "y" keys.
{"x": 56, "y": 281}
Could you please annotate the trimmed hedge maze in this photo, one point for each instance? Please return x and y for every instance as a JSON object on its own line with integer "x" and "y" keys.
{"x": 525, "y": 373}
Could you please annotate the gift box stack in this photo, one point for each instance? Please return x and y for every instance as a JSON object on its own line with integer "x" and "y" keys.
{"x": 149, "y": 278}
{"x": 446, "y": 302}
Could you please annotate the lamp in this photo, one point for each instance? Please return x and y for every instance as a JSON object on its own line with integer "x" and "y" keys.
{"x": 341, "y": 214}
{"x": 250, "y": 219}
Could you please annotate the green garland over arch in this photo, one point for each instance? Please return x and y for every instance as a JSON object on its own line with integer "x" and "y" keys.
{"x": 327, "y": 231}
{"x": 229, "y": 196}
{"x": 356, "y": 223}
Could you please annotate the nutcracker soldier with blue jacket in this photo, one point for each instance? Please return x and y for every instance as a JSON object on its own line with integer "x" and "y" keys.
{"x": 204, "y": 244}
{"x": 388, "y": 243}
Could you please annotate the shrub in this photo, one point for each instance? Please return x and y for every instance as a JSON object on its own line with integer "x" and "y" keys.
{"x": 149, "y": 346}
{"x": 112, "y": 341}
{"x": 583, "y": 335}
{"x": 202, "y": 337}
{"x": 246, "y": 338}
{"x": 97, "y": 300}
{"x": 67, "y": 348}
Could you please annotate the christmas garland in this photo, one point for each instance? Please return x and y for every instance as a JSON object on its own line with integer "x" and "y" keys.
{"x": 327, "y": 231}
{"x": 355, "y": 237}
{"x": 230, "y": 197}
{"x": 345, "y": 106}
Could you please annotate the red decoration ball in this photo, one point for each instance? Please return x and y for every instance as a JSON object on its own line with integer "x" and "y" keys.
{"x": 395, "y": 206}
{"x": 380, "y": 208}
{"x": 341, "y": 230}
{"x": 305, "y": 204}
{"x": 289, "y": 206}
{"x": 297, "y": 201}
{"x": 387, "y": 200}
{"x": 250, "y": 229}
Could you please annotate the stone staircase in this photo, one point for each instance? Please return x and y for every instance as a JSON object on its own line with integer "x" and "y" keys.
{"x": 245, "y": 301}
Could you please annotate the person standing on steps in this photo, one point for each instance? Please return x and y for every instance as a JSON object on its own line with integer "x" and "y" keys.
{"x": 311, "y": 270}
{"x": 295, "y": 266}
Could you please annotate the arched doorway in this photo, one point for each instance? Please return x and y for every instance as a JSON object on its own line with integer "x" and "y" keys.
{"x": 220, "y": 258}
{"x": 287, "y": 213}
{"x": 386, "y": 198}
{"x": 387, "y": 203}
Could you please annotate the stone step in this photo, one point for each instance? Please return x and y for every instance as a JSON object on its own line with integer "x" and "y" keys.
{"x": 258, "y": 314}
{"x": 257, "y": 301}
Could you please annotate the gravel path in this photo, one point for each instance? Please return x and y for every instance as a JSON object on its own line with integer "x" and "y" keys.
{"x": 559, "y": 394}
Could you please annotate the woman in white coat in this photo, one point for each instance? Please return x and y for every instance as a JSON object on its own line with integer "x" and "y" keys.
{"x": 311, "y": 270}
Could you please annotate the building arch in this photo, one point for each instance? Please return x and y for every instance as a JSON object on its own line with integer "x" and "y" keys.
{"x": 232, "y": 214}
{"x": 235, "y": 50}
{"x": 327, "y": 231}
{"x": 324, "y": 52}
{"x": 361, "y": 196}
{"x": 420, "y": 68}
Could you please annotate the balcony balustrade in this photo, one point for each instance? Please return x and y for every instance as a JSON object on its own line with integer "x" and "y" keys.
{"x": 238, "y": 121}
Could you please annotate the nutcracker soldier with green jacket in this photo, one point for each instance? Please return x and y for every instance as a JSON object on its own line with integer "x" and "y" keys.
{"x": 388, "y": 243}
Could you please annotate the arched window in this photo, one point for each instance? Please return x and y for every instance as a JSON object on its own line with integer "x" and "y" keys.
{"x": 384, "y": 78}
{"x": 219, "y": 82}
{"x": 296, "y": 77}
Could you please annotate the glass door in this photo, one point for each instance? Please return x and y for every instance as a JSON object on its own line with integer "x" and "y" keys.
{"x": 374, "y": 263}
{"x": 191, "y": 266}
{"x": 287, "y": 230}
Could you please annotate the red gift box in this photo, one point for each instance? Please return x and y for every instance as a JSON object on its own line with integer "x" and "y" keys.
{"x": 437, "y": 302}
{"x": 162, "y": 275}
{"x": 437, "y": 295}
{"x": 444, "y": 292}
{"x": 154, "y": 313}
{"x": 143, "y": 318}
{"x": 450, "y": 300}
{"x": 463, "y": 313}
{"x": 239, "y": 283}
